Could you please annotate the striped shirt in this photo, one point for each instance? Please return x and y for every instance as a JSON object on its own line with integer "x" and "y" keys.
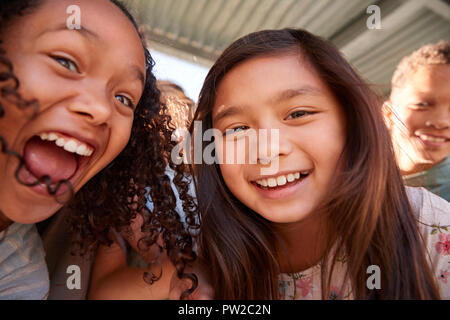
{"x": 23, "y": 271}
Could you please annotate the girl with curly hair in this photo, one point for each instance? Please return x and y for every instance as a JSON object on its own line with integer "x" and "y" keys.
{"x": 80, "y": 113}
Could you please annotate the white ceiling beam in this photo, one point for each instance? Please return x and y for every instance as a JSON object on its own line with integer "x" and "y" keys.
{"x": 389, "y": 24}
{"x": 439, "y": 7}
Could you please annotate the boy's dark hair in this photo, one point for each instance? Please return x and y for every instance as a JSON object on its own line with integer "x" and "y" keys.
{"x": 430, "y": 54}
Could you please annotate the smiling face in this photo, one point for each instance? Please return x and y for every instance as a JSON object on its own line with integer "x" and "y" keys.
{"x": 284, "y": 93}
{"x": 87, "y": 82}
{"x": 421, "y": 124}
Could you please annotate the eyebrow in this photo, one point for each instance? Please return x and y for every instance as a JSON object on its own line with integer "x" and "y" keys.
{"x": 292, "y": 93}
{"x": 282, "y": 96}
{"x": 228, "y": 112}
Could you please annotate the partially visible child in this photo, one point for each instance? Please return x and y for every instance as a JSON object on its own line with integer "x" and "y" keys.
{"x": 179, "y": 106}
{"x": 123, "y": 270}
{"x": 418, "y": 115}
{"x": 336, "y": 210}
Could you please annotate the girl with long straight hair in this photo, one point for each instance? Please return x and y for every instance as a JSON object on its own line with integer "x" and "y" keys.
{"x": 334, "y": 220}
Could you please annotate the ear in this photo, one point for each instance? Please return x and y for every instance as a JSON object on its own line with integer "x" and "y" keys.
{"x": 387, "y": 113}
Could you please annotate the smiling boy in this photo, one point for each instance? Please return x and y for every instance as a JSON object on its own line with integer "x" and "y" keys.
{"x": 418, "y": 115}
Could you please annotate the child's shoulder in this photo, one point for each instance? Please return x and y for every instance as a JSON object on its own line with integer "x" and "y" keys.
{"x": 433, "y": 215}
{"x": 23, "y": 270}
{"x": 428, "y": 207}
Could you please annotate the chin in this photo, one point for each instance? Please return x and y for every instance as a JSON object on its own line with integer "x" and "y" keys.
{"x": 283, "y": 217}
{"x": 33, "y": 213}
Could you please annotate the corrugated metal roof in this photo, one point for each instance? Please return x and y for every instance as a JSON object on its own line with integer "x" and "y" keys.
{"x": 199, "y": 30}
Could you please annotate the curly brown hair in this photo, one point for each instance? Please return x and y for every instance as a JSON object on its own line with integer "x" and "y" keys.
{"x": 116, "y": 195}
{"x": 430, "y": 54}
{"x": 180, "y": 107}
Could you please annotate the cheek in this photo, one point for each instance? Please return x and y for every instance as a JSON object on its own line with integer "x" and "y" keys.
{"x": 15, "y": 118}
{"x": 120, "y": 135}
{"x": 233, "y": 176}
{"x": 12, "y": 125}
{"x": 323, "y": 142}
{"x": 229, "y": 172}
{"x": 32, "y": 74}
{"x": 411, "y": 119}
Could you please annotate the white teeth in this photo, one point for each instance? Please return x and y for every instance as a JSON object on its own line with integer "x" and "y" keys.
{"x": 60, "y": 142}
{"x": 81, "y": 150}
{"x": 281, "y": 180}
{"x": 432, "y": 139}
{"x": 290, "y": 177}
{"x": 271, "y": 182}
{"x": 88, "y": 153}
{"x": 71, "y": 145}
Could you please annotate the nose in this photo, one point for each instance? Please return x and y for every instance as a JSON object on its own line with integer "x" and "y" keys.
{"x": 273, "y": 143}
{"x": 94, "y": 106}
{"x": 440, "y": 119}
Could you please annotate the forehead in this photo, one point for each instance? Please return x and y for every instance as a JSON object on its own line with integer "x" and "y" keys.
{"x": 102, "y": 17}
{"x": 429, "y": 77}
{"x": 263, "y": 78}
{"x": 433, "y": 75}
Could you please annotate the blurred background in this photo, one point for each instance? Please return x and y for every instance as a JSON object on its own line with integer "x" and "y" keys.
{"x": 186, "y": 36}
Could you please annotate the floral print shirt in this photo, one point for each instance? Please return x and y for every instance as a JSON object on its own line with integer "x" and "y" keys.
{"x": 433, "y": 215}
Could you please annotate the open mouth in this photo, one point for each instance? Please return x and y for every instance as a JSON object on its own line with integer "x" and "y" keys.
{"x": 58, "y": 156}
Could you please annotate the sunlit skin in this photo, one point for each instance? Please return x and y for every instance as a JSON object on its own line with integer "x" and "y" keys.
{"x": 418, "y": 115}
{"x": 87, "y": 82}
{"x": 285, "y": 93}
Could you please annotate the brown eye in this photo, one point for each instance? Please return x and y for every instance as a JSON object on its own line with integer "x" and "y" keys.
{"x": 125, "y": 101}
{"x": 236, "y": 129}
{"x": 67, "y": 63}
{"x": 299, "y": 114}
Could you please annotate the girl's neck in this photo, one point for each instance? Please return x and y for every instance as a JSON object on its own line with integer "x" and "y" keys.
{"x": 4, "y": 222}
{"x": 302, "y": 244}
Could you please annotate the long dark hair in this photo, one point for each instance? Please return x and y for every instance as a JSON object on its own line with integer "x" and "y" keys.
{"x": 116, "y": 195}
{"x": 369, "y": 216}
